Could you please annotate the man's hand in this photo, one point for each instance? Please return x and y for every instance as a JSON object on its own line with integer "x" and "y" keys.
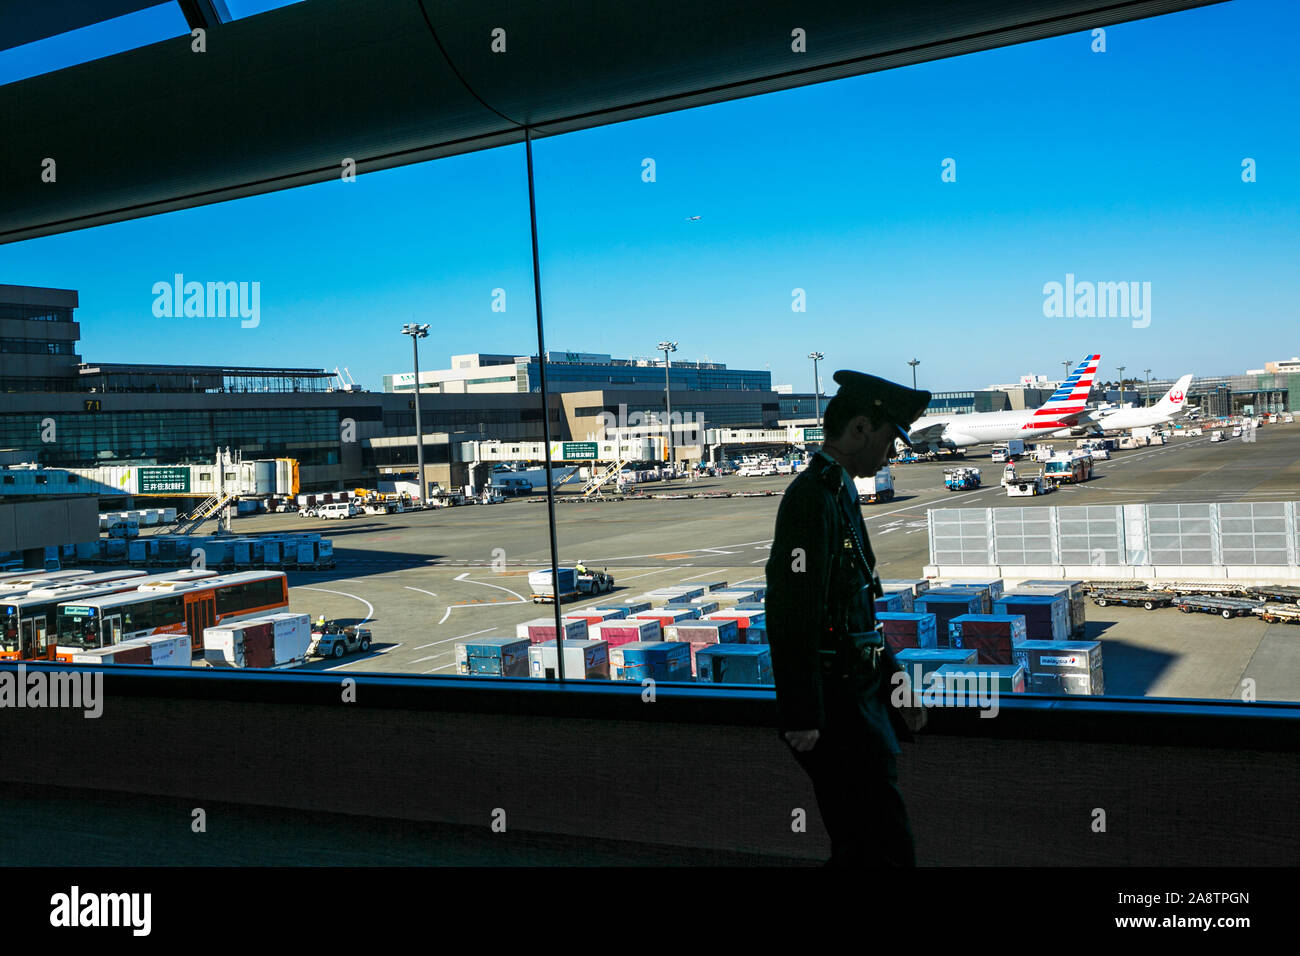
{"x": 802, "y": 740}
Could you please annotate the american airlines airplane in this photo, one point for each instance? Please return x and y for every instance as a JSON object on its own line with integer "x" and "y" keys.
{"x": 1171, "y": 406}
{"x": 1063, "y": 410}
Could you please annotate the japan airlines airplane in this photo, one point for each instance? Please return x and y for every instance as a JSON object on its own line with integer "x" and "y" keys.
{"x": 1171, "y": 406}
{"x": 1062, "y": 411}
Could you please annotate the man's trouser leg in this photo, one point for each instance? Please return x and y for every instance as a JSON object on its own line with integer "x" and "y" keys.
{"x": 861, "y": 806}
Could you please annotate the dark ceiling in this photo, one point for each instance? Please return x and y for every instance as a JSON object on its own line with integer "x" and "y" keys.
{"x": 279, "y": 99}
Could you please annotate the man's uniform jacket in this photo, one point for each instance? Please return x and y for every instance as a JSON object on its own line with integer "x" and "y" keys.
{"x": 820, "y": 611}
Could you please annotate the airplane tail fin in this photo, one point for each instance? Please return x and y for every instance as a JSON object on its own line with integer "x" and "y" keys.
{"x": 1175, "y": 400}
{"x": 1072, "y": 396}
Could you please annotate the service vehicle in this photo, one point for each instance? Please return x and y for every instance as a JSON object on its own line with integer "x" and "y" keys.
{"x": 274, "y": 641}
{"x": 1236, "y": 432}
{"x": 1288, "y": 419}
{"x": 1068, "y": 469}
{"x": 1026, "y": 486}
{"x": 573, "y": 583}
{"x": 878, "y": 487}
{"x": 1133, "y": 598}
{"x": 961, "y": 479}
{"x": 1216, "y": 436}
{"x": 338, "y": 509}
{"x": 334, "y": 639}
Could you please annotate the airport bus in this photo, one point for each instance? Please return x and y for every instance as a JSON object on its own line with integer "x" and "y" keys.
{"x": 187, "y": 607}
{"x": 29, "y": 617}
{"x": 22, "y": 584}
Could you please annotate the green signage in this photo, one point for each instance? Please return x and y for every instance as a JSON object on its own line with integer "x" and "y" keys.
{"x": 163, "y": 481}
{"x": 76, "y": 610}
{"x": 812, "y": 434}
{"x": 578, "y": 450}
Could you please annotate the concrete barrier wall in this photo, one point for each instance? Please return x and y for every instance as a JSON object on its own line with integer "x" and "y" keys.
{"x": 1249, "y": 574}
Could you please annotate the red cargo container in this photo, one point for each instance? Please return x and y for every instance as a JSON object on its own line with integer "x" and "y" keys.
{"x": 618, "y": 633}
{"x": 993, "y": 636}
{"x": 701, "y": 634}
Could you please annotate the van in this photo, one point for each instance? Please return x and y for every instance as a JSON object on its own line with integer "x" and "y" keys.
{"x": 338, "y": 509}
{"x": 1216, "y": 436}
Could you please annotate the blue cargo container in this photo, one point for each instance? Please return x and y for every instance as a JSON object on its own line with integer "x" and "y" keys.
{"x": 654, "y": 660}
{"x": 921, "y": 662}
{"x": 945, "y": 605}
{"x": 756, "y": 635}
{"x": 749, "y": 606}
{"x": 628, "y": 609}
{"x": 904, "y": 629}
{"x": 493, "y": 656}
{"x": 734, "y": 664}
{"x": 1047, "y": 616}
{"x": 906, "y": 596}
{"x": 890, "y": 603}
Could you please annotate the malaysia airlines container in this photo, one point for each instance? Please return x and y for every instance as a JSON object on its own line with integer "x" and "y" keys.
{"x": 273, "y": 641}
{"x": 921, "y": 662}
{"x": 993, "y": 636}
{"x": 543, "y": 629}
{"x": 945, "y": 605}
{"x": 891, "y": 602}
{"x": 655, "y": 660}
{"x": 917, "y": 586}
{"x": 627, "y": 631}
{"x": 129, "y": 653}
{"x": 979, "y": 678}
{"x": 1047, "y": 616}
{"x": 1063, "y": 667}
{"x": 593, "y": 616}
{"x": 583, "y": 660}
{"x": 903, "y": 630}
{"x": 1078, "y": 598}
{"x": 171, "y": 650}
{"x": 628, "y": 609}
{"x": 734, "y": 664}
{"x": 493, "y": 657}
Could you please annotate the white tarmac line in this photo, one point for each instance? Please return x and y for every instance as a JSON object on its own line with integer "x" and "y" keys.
{"x": 370, "y": 608}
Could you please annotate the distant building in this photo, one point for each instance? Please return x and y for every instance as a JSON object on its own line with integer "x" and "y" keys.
{"x": 38, "y": 339}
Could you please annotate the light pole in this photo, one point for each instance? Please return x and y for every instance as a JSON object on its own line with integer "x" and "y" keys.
{"x": 667, "y": 347}
{"x": 1121, "y": 383}
{"x": 817, "y": 385}
{"x": 1067, "y": 371}
{"x": 417, "y": 332}
{"x": 914, "y": 363}
{"x": 1148, "y": 401}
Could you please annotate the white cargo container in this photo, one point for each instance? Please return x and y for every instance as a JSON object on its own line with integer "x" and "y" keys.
{"x": 583, "y": 660}
{"x": 274, "y": 641}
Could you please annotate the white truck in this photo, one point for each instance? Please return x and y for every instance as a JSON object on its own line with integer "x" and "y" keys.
{"x": 879, "y": 487}
{"x": 1010, "y": 449}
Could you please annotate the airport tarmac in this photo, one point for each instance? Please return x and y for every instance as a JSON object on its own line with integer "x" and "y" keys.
{"x": 425, "y": 580}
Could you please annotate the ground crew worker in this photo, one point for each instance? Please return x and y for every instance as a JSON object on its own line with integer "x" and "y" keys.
{"x": 581, "y": 568}
{"x": 832, "y": 672}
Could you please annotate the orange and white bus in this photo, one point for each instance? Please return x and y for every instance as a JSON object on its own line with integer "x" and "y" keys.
{"x": 27, "y": 620}
{"x": 183, "y": 607}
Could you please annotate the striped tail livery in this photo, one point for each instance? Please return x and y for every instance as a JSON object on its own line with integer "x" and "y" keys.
{"x": 1068, "y": 402}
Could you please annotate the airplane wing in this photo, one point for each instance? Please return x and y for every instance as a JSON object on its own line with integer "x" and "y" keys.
{"x": 927, "y": 435}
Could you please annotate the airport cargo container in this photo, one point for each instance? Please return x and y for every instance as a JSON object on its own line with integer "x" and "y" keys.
{"x": 749, "y": 606}
{"x": 1047, "y": 616}
{"x": 908, "y": 629}
{"x": 700, "y": 634}
{"x": 755, "y": 634}
{"x": 891, "y": 602}
{"x": 274, "y": 641}
{"x": 543, "y": 629}
{"x": 993, "y": 636}
{"x": 734, "y": 664}
{"x": 493, "y": 657}
{"x": 629, "y": 608}
{"x": 273, "y": 554}
{"x": 543, "y": 588}
{"x": 135, "y": 551}
{"x": 712, "y": 585}
{"x": 678, "y": 595}
{"x": 669, "y": 618}
{"x": 656, "y": 660}
{"x": 734, "y": 595}
{"x": 1077, "y": 591}
{"x": 87, "y": 550}
{"x": 875, "y": 488}
{"x": 906, "y": 598}
{"x": 1062, "y": 667}
{"x": 702, "y": 605}
{"x": 593, "y": 616}
{"x": 964, "y": 678}
{"x": 627, "y": 631}
{"x": 994, "y": 587}
{"x": 921, "y": 662}
{"x": 172, "y": 650}
{"x": 916, "y": 585}
{"x": 945, "y": 605}
{"x": 583, "y": 660}
{"x": 745, "y": 620}
{"x": 128, "y": 653}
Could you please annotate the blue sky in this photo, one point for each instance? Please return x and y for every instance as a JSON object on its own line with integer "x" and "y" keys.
{"x": 1115, "y": 166}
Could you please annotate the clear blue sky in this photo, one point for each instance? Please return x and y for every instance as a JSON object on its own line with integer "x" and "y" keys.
{"x": 1115, "y": 166}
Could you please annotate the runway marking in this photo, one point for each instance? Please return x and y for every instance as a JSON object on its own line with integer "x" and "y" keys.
{"x": 656, "y": 571}
{"x": 421, "y": 590}
{"x": 703, "y": 574}
{"x": 439, "y": 667}
{"x": 461, "y": 637}
{"x": 465, "y": 576}
{"x": 370, "y": 608}
{"x": 446, "y": 615}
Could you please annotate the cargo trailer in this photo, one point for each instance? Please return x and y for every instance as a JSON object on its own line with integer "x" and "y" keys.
{"x": 734, "y": 664}
{"x": 653, "y": 660}
{"x": 583, "y": 660}
{"x": 493, "y": 657}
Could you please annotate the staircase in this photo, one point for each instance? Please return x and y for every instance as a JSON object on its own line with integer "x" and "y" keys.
{"x": 188, "y": 524}
{"x": 593, "y": 486}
